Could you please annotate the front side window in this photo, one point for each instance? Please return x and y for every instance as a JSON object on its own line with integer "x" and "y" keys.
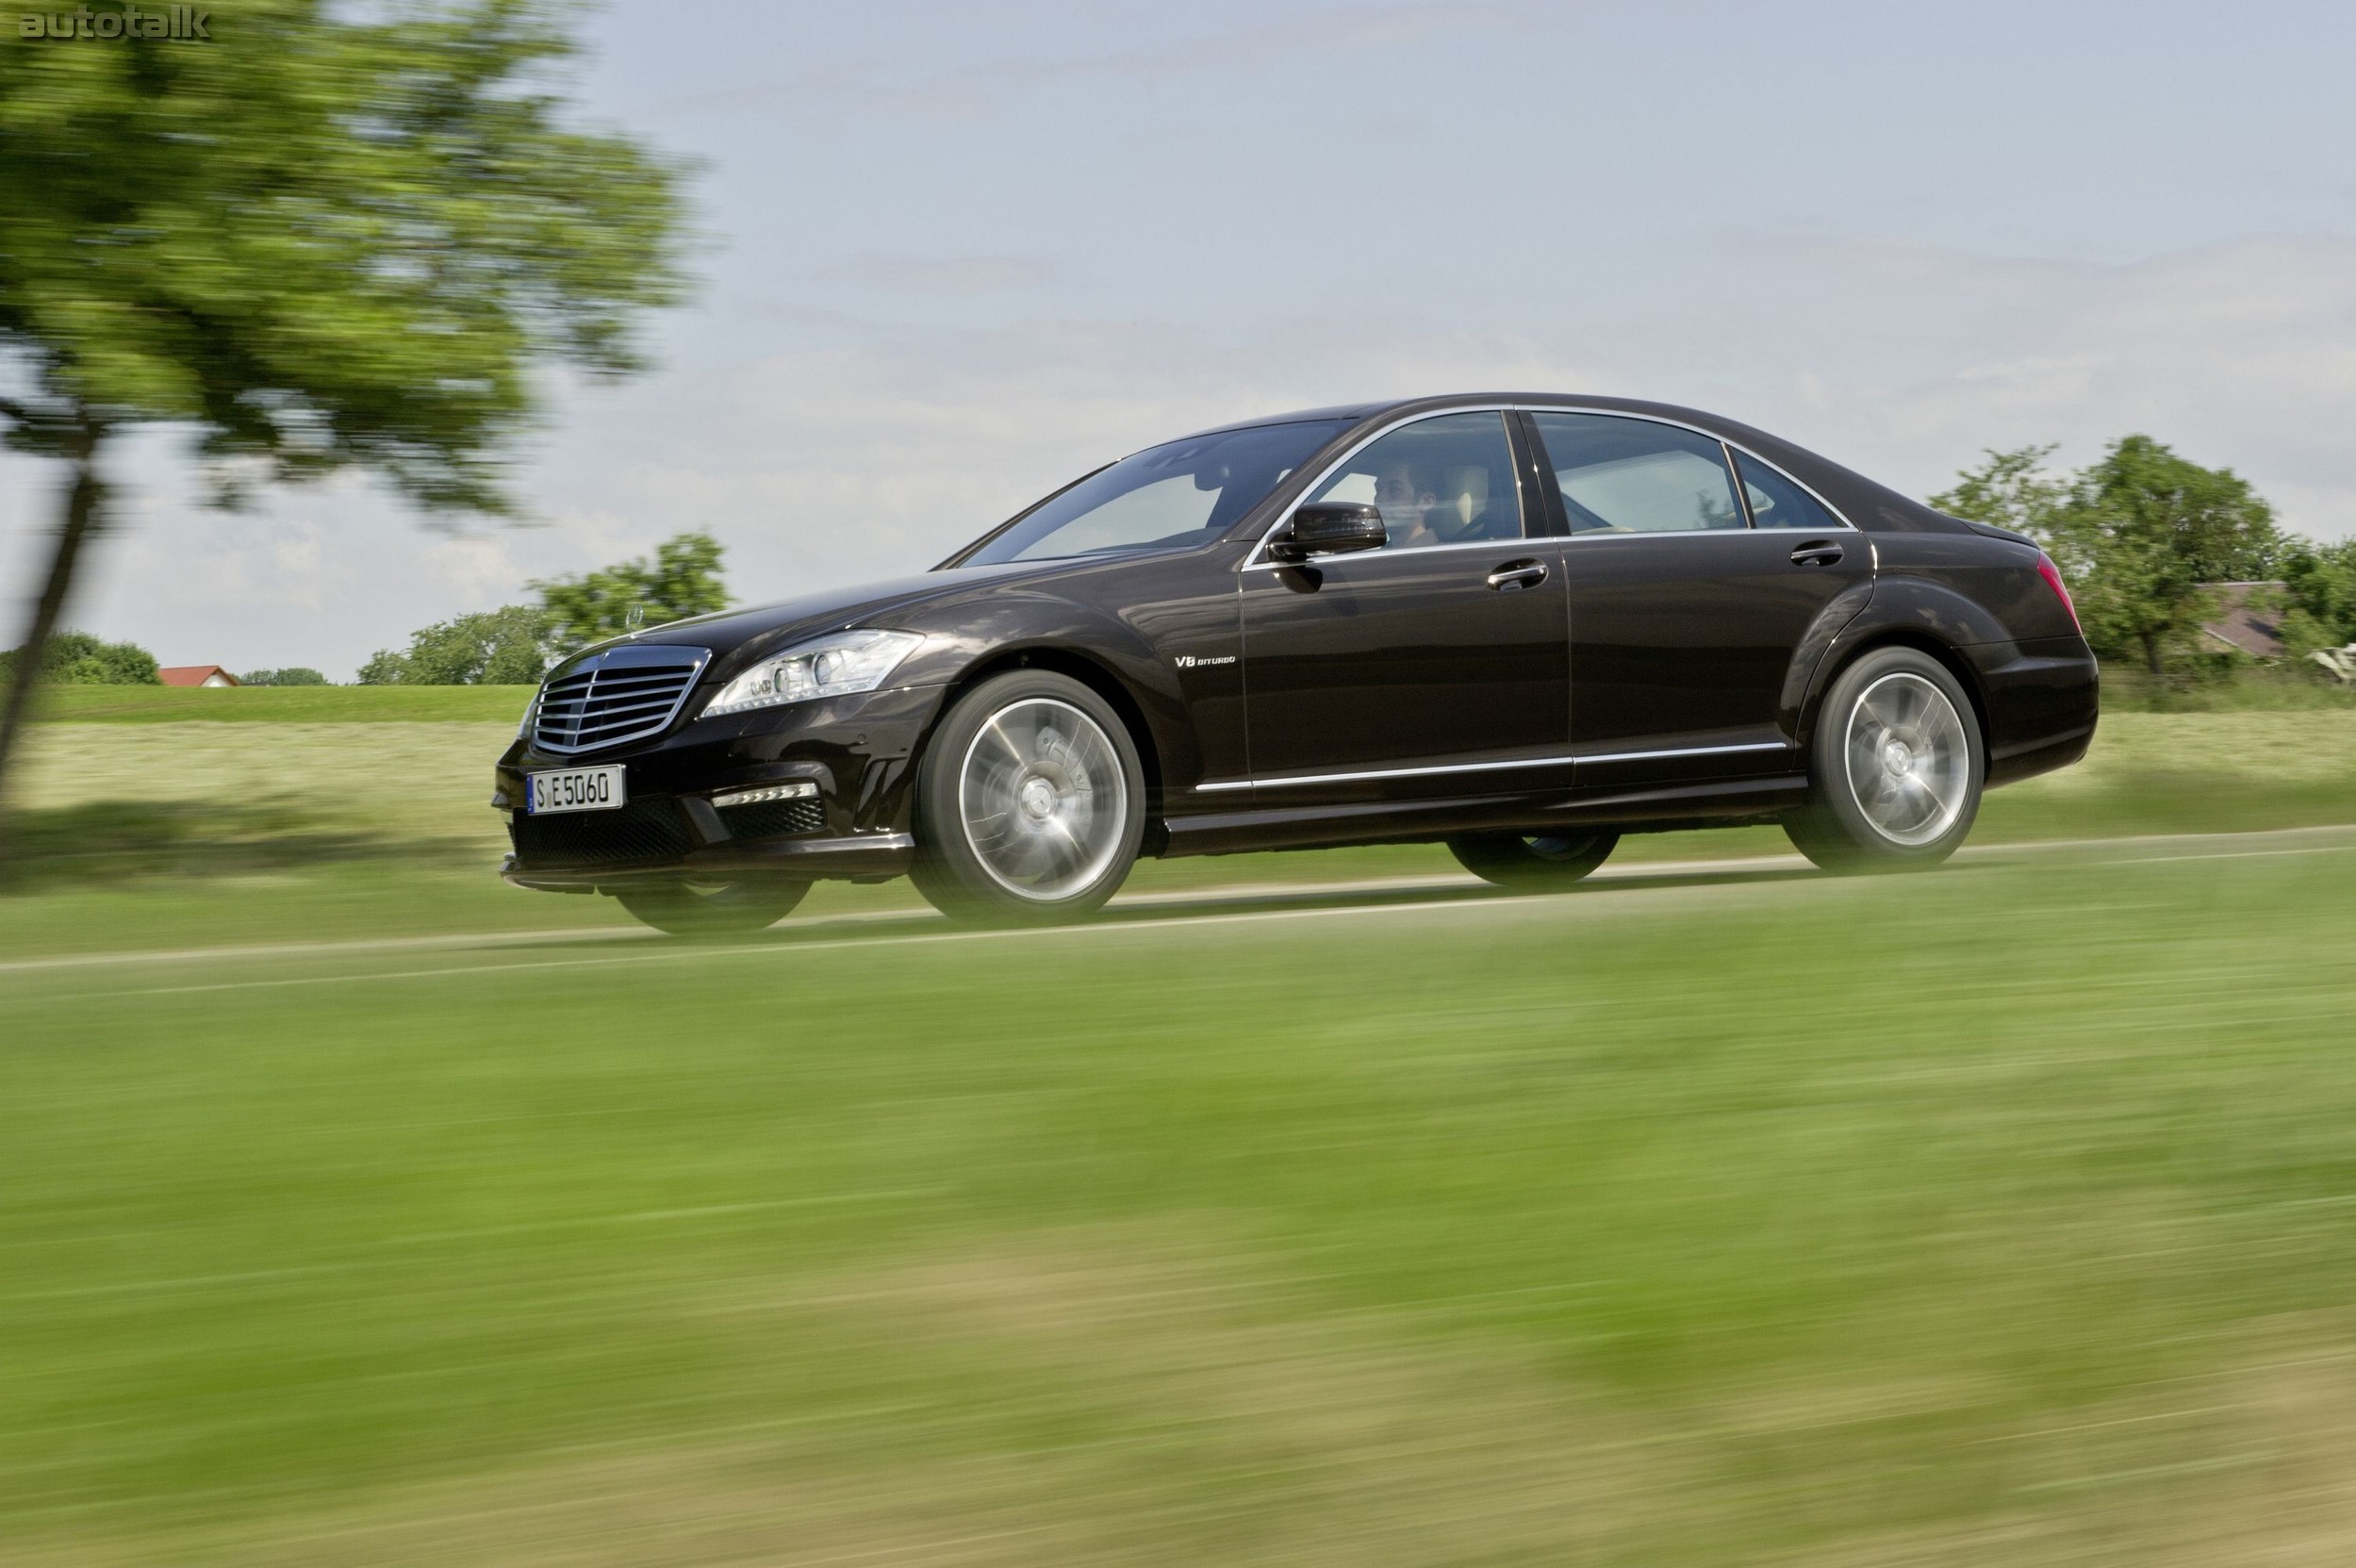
{"x": 1633, "y": 476}
{"x": 1445, "y": 480}
{"x": 1777, "y": 502}
{"x": 1165, "y": 498}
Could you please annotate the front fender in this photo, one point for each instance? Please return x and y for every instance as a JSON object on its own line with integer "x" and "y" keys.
{"x": 1027, "y": 626}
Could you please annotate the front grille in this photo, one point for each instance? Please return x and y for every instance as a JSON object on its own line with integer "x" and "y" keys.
{"x": 623, "y": 694}
{"x": 773, "y": 818}
{"x": 643, "y": 830}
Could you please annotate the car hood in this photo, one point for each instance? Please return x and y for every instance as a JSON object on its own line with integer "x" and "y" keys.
{"x": 736, "y": 637}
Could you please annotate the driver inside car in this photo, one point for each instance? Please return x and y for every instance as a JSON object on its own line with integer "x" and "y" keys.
{"x": 1447, "y": 509}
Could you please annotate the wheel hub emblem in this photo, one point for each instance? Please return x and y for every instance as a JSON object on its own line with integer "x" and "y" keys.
{"x": 1038, "y": 799}
{"x": 1898, "y": 757}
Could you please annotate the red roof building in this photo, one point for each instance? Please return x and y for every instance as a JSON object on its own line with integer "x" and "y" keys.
{"x": 2247, "y": 627}
{"x": 195, "y": 675}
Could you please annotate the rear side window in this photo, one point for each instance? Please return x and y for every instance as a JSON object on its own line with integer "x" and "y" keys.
{"x": 1633, "y": 476}
{"x": 1776, "y": 502}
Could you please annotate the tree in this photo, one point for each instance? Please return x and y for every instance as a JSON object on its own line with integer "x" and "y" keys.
{"x": 505, "y": 646}
{"x": 2010, "y": 490}
{"x": 2137, "y": 535}
{"x": 293, "y": 675}
{"x": 78, "y": 659}
{"x": 335, "y": 237}
{"x": 2320, "y": 581}
{"x": 683, "y": 580}
{"x": 2160, "y": 527}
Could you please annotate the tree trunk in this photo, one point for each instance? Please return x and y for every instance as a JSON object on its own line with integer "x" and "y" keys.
{"x": 2151, "y": 655}
{"x": 85, "y": 500}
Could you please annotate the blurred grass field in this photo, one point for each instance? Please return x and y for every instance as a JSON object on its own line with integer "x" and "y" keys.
{"x": 1998, "y": 1216}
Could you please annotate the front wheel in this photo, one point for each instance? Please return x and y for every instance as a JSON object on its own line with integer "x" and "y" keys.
{"x": 1533, "y": 864}
{"x": 1895, "y": 770}
{"x": 1031, "y": 802}
{"x": 701, "y": 909}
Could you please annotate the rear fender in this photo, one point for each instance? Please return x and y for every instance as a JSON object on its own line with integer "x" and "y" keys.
{"x": 1907, "y": 612}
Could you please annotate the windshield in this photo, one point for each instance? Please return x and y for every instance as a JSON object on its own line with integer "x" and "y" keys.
{"x": 1165, "y": 498}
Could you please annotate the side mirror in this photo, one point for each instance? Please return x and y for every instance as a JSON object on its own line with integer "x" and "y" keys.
{"x": 1329, "y": 528}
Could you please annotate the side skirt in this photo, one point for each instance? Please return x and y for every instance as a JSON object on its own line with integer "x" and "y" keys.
{"x": 1660, "y": 808}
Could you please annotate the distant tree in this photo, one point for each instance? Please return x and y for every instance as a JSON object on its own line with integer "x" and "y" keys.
{"x": 337, "y": 237}
{"x": 2158, "y": 527}
{"x": 78, "y": 659}
{"x": 505, "y": 646}
{"x": 2137, "y": 535}
{"x": 683, "y": 580}
{"x": 294, "y": 675}
{"x": 2320, "y": 588}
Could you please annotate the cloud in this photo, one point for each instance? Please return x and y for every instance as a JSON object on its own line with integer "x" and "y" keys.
{"x": 859, "y": 88}
{"x": 2241, "y": 353}
{"x": 956, "y": 276}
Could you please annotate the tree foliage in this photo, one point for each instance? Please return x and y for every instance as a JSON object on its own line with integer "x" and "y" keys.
{"x": 2137, "y": 535}
{"x": 79, "y": 659}
{"x": 514, "y": 645}
{"x": 293, "y": 675}
{"x": 508, "y": 646}
{"x": 683, "y": 579}
{"x": 334, "y": 237}
{"x": 2320, "y": 584}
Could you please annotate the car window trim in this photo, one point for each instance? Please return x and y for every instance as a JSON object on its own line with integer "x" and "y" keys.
{"x": 1742, "y": 492}
{"x": 1256, "y": 561}
{"x": 1530, "y": 411}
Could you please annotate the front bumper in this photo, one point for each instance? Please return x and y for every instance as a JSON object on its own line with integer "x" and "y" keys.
{"x": 856, "y": 751}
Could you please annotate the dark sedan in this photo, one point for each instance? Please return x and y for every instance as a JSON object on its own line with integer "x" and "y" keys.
{"x": 1520, "y": 626}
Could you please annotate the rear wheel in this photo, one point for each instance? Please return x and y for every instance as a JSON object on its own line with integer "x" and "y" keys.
{"x": 1896, "y": 767}
{"x": 1031, "y": 802}
{"x": 1533, "y": 863}
{"x": 705, "y": 909}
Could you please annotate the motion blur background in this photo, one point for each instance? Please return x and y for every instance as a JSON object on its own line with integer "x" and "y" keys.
{"x": 356, "y": 1207}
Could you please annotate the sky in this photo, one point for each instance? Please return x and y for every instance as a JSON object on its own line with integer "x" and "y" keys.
{"x": 950, "y": 256}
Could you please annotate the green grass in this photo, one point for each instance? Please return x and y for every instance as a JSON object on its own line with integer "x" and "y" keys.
{"x": 2225, "y": 684}
{"x": 2000, "y": 1215}
{"x": 282, "y": 705}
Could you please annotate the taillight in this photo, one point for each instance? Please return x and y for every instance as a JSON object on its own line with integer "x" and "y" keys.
{"x": 2052, "y": 575}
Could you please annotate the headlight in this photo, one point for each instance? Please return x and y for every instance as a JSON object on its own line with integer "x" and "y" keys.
{"x": 523, "y": 725}
{"x": 831, "y": 667}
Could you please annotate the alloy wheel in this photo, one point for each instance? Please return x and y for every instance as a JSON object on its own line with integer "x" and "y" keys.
{"x": 1908, "y": 760}
{"x": 1043, "y": 800}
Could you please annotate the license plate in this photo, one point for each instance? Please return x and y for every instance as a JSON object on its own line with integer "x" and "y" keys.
{"x": 573, "y": 789}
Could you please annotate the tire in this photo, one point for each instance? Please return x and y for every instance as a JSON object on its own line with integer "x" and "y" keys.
{"x": 1533, "y": 863}
{"x": 1031, "y": 802}
{"x": 692, "y": 909}
{"x": 1896, "y": 767}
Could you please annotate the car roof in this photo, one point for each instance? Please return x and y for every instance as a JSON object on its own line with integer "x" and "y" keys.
{"x": 1298, "y": 416}
{"x": 1388, "y": 407}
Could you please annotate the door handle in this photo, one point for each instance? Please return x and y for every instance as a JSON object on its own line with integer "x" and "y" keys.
{"x": 1516, "y": 576}
{"x": 1816, "y": 553}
